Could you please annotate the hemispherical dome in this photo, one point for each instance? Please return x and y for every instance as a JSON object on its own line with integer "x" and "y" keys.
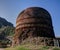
{"x": 34, "y": 12}
{"x": 36, "y": 18}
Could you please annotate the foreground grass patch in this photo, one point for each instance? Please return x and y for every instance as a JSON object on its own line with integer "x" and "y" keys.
{"x": 44, "y": 48}
{"x": 33, "y": 47}
{"x": 21, "y": 48}
{"x": 17, "y": 48}
{"x": 55, "y": 48}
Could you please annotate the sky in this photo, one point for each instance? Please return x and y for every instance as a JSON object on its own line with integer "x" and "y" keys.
{"x": 9, "y": 9}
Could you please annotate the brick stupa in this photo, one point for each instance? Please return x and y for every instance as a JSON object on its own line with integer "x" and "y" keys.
{"x": 34, "y": 26}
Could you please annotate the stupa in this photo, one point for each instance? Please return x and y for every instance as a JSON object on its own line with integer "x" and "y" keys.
{"x": 34, "y": 26}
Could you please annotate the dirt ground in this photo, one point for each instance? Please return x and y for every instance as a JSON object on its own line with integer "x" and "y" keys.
{"x": 1, "y": 48}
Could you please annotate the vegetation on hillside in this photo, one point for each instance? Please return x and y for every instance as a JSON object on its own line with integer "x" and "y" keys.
{"x": 6, "y": 32}
{"x": 9, "y": 31}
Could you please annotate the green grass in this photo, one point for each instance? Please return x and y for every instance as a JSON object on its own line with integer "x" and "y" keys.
{"x": 17, "y": 48}
{"x": 44, "y": 48}
{"x": 33, "y": 47}
{"x": 55, "y": 48}
{"x": 21, "y": 48}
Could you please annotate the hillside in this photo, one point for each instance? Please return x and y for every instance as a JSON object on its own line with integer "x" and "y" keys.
{"x": 4, "y": 22}
{"x": 6, "y": 30}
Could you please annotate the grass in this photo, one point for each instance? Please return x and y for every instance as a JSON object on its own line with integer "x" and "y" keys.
{"x": 56, "y": 48}
{"x": 33, "y": 47}
{"x": 17, "y": 48}
{"x": 44, "y": 48}
{"x": 21, "y": 48}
